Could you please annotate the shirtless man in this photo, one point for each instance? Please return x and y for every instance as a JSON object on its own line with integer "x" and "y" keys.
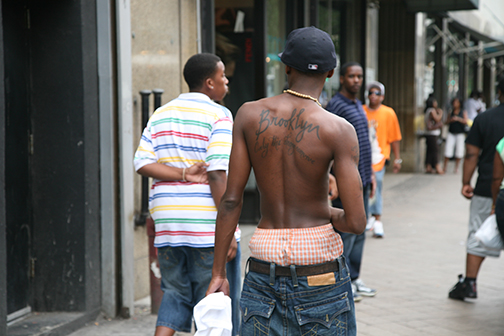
{"x": 297, "y": 279}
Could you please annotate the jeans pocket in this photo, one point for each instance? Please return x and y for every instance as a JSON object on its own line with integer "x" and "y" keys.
{"x": 326, "y": 317}
{"x": 167, "y": 258}
{"x": 204, "y": 257}
{"x": 256, "y": 314}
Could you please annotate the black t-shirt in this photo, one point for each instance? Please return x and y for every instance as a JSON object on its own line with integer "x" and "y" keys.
{"x": 485, "y": 133}
{"x": 456, "y": 127}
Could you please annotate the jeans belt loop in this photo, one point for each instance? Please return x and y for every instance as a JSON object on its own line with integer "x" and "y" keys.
{"x": 342, "y": 266}
{"x": 294, "y": 275}
{"x": 247, "y": 266}
{"x": 272, "y": 274}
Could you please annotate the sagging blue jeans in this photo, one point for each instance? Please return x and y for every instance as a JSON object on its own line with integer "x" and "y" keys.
{"x": 282, "y": 308}
{"x": 353, "y": 244}
{"x": 185, "y": 275}
{"x": 376, "y": 207}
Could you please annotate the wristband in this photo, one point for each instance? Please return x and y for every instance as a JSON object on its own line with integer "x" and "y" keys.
{"x": 183, "y": 174}
{"x": 398, "y": 161}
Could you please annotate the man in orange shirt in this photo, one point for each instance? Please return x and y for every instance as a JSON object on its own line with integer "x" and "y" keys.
{"x": 384, "y": 133}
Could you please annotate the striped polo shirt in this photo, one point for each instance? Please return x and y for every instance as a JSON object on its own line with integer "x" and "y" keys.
{"x": 353, "y": 112}
{"x": 189, "y": 129}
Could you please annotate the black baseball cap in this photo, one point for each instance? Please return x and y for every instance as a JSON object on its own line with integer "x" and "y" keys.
{"x": 309, "y": 50}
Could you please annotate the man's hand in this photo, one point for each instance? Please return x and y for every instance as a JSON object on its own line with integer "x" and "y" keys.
{"x": 333, "y": 188}
{"x": 197, "y": 173}
{"x": 467, "y": 191}
{"x": 397, "y": 167}
{"x": 233, "y": 247}
{"x": 218, "y": 284}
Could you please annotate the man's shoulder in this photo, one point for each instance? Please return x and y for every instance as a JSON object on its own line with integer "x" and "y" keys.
{"x": 386, "y": 110}
{"x": 491, "y": 115}
{"x": 338, "y": 104}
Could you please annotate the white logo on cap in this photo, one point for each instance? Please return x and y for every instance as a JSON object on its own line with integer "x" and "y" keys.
{"x": 312, "y": 66}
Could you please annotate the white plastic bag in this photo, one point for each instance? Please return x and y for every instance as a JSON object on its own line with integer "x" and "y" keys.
{"x": 213, "y": 315}
{"x": 488, "y": 234}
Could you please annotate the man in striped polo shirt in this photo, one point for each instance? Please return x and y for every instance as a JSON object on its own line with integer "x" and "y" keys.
{"x": 189, "y": 130}
{"x": 346, "y": 105}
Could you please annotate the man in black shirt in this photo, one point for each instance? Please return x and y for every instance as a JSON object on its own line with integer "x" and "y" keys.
{"x": 485, "y": 133}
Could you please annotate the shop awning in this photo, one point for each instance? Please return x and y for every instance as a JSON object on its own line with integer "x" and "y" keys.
{"x": 440, "y": 5}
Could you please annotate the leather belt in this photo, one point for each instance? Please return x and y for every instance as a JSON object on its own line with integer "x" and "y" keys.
{"x": 264, "y": 268}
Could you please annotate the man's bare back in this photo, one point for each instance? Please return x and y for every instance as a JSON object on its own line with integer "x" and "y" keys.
{"x": 291, "y": 142}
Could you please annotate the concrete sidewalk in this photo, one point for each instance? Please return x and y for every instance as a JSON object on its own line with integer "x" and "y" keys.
{"x": 413, "y": 267}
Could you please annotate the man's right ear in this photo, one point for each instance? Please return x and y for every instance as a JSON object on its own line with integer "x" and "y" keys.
{"x": 330, "y": 73}
{"x": 209, "y": 83}
{"x": 287, "y": 70}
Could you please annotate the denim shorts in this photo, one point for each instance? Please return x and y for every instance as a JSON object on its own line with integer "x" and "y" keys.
{"x": 185, "y": 275}
{"x": 278, "y": 307}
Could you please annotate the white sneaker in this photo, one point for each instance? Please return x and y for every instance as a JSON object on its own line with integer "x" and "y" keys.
{"x": 362, "y": 289}
{"x": 370, "y": 223}
{"x": 356, "y": 296}
{"x": 378, "y": 229}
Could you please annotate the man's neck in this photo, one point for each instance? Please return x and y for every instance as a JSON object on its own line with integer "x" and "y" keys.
{"x": 348, "y": 94}
{"x": 374, "y": 107}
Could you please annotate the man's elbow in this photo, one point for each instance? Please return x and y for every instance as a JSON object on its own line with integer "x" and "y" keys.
{"x": 230, "y": 204}
{"x": 358, "y": 226}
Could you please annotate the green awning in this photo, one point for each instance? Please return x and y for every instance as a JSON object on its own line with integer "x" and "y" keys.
{"x": 440, "y": 5}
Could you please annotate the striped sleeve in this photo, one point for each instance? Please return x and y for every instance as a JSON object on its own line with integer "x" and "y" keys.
{"x": 145, "y": 154}
{"x": 219, "y": 145}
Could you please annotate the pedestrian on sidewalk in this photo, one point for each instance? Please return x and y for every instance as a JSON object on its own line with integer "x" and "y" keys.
{"x": 189, "y": 129}
{"x": 385, "y": 133}
{"x": 345, "y": 104}
{"x": 297, "y": 279}
{"x": 457, "y": 122}
{"x": 433, "y": 125}
{"x": 485, "y": 133}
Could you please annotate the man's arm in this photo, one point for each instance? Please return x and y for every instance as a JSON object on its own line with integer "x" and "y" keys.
{"x": 195, "y": 173}
{"x": 345, "y": 167}
{"x": 217, "y": 180}
{"x": 470, "y": 163}
{"x": 230, "y": 205}
{"x": 397, "y": 156}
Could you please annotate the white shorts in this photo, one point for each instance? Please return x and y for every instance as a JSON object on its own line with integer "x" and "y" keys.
{"x": 455, "y": 145}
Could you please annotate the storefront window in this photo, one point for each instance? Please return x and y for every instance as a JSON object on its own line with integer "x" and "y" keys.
{"x": 275, "y": 42}
{"x": 234, "y": 29}
{"x": 329, "y": 20}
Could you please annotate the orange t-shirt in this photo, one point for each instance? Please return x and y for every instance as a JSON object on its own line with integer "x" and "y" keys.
{"x": 384, "y": 127}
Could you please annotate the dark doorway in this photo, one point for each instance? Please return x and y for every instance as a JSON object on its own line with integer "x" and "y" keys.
{"x": 51, "y": 156}
{"x": 17, "y": 156}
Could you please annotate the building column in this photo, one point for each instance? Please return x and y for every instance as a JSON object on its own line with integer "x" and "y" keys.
{"x": 125, "y": 139}
{"x": 493, "y": 74}
{"x": 479, "y": 72}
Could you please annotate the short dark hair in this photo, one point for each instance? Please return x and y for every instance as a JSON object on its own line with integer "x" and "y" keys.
{"x": 347, "y": 65}
{"x": 461, "y": 101}
{"x": 198, "y": 68}
{"x": 474, "y": 94}
{"x": 429, "y": 103}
